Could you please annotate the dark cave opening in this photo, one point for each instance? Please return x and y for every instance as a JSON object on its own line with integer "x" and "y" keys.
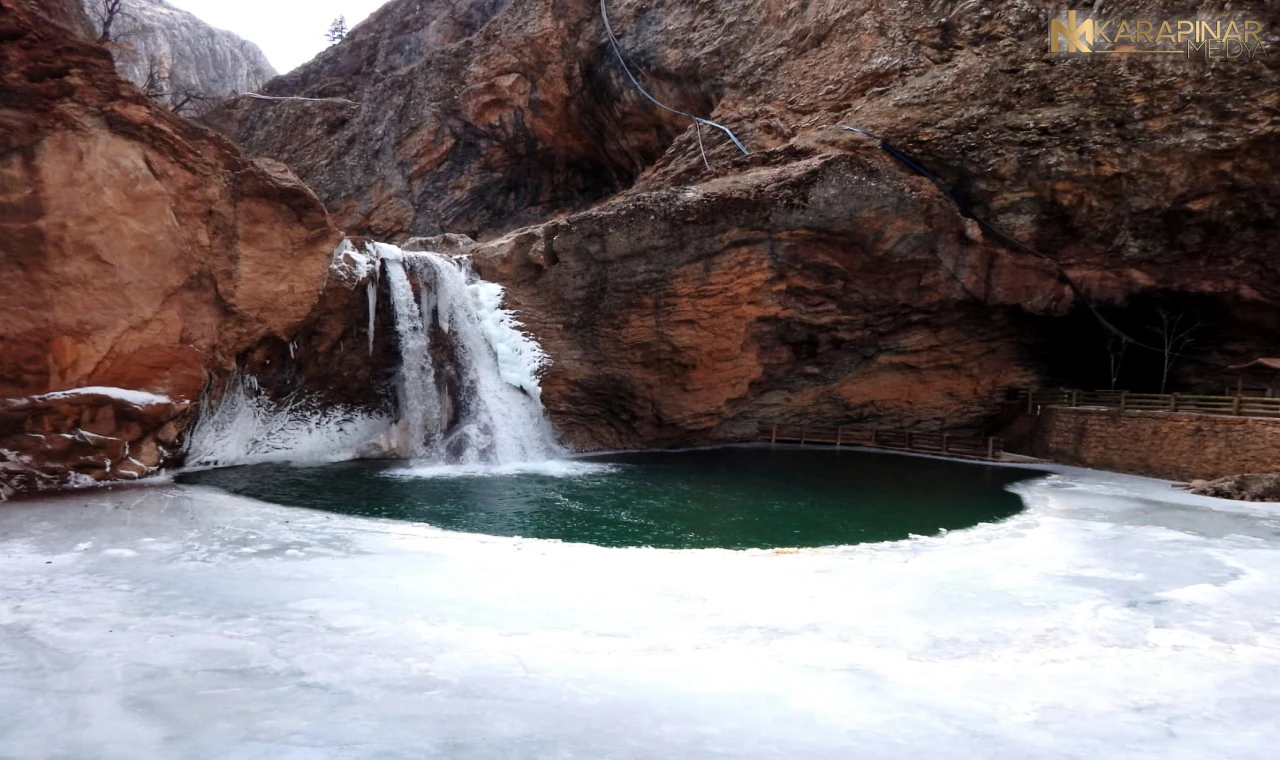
{"x": 1177, "y": 342}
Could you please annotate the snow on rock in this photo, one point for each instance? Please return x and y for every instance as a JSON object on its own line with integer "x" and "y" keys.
{"x": 350, "y": 266}
{"x": 1112, "y": 619}
{"x": 136, "y": 398}
{"x": 247, "y": 427}
{"x": 520, "y": 359}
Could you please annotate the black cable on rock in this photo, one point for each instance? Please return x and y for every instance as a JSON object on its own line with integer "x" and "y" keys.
{"x": 698, "y": 121}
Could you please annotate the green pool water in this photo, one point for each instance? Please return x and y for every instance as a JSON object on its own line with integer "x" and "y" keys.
{"x": 736, "y": 497}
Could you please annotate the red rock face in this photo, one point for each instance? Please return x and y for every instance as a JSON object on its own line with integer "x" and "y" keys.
{"x": 831, "y": 289}
{"x": 689, "y": 315}
{"x": 816, "y": 279}
{"x": 140, "y": 251}
{"x": 474, "y": 117}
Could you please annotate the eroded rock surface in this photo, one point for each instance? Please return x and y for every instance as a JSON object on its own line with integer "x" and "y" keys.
{"x": 817, "y": 278}
{"x": 821, "y": 289}
{"x": 141, "y": 252}
{"x": 477, "y": 116}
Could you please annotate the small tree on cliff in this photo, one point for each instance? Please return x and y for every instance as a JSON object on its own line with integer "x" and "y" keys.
{"x": 108, "y": 12}
{"x": 160, "y": 86}
{"x": 337, "y": 30}
{"x": 156, "y": 84}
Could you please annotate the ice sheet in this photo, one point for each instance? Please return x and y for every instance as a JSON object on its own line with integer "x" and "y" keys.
{"x": 1112, "y": 619}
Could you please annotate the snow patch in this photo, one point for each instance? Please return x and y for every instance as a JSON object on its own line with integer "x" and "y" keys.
{"x": 134, "y": 398}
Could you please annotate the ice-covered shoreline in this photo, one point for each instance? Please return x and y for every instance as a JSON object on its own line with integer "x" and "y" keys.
{"x": 1114, "y": 618}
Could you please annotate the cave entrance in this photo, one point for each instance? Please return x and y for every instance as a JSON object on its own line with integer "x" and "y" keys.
{"x": 1181, "y": 343}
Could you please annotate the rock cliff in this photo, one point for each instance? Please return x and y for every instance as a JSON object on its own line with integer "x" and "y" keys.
{"x": 685, "y": 291}
{"x": 817, "y": 278}
{"x": 142, "y": 255}
{"x": 187, "y": 60}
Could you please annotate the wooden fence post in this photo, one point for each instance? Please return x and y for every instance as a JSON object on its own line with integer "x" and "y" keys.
{"x": 839, "y": 434}
{"x": 873, "y": 436}
{"x": 1075, "y": 398}
{"x": 1235, "y": 405}
{"x": 774, "y": 437}
{"x": 1124, "y": 397}
{"x": 1173, "y": 403}
{"x": 991, "y": 448}
{"x": 802, "y": 435}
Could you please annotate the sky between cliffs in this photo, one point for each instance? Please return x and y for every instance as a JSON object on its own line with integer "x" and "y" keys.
{"x": 290, "y": 32}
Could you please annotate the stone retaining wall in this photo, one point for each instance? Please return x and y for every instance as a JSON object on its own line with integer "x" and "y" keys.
{"x": 1157, "y": 444}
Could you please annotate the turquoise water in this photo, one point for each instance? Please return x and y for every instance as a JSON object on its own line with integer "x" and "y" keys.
{"x": 736, "y": 497}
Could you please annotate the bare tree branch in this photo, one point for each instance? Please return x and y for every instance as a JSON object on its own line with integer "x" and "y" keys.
{"x": 1174, "y": 337}
{"x": 344, "y": 101}
{"x": 107, "y": 13}
{"x": 1115, "y": 354}
{"x": 155, "y": 86}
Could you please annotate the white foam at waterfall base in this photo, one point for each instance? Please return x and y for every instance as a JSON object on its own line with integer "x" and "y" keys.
{"x": 551, "y": 468}
{"x": 246, "y": 427}
{"x": 498, "y": 417}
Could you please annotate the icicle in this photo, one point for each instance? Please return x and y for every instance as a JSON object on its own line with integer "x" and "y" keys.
{"x": 371, "y": 295}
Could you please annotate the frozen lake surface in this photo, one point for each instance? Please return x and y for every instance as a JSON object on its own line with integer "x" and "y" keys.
{"x": 1114, "y": 618}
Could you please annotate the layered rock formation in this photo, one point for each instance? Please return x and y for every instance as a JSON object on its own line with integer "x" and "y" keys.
{"x": 817, "y": 278}
{"x": 472, "y": 117}
{"x": 141, "y": 253}
{"x": 186, "y": 61}
{"x": 818, "y": 289}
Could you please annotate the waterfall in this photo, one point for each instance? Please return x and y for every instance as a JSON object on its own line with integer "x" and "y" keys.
{"x": 420, "y": 405}
{"x": 469, "y": 391}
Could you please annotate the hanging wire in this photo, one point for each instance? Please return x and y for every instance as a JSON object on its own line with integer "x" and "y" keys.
{"x": 697, "y": 120}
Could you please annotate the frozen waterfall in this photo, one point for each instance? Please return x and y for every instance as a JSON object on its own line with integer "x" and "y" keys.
{"x": 468, "y": 390}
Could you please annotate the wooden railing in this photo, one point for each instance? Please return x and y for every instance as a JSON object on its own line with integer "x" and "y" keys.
{"x": 1240, "y": 406}
{"x": 944, "y": 444}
